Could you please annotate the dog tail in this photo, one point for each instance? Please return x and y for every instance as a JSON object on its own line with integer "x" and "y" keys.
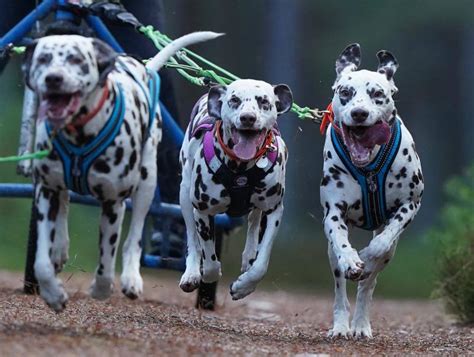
{"x": 170, "y": 50}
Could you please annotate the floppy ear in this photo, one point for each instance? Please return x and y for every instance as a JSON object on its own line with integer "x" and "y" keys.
{"x": 214, "y": 102}
{"x": 349, "y": 59}
{"x": 284, "y": 98}
{"x": 105, "y": 57}
{"x": 27, "y": 60}
{"x": 388, "y": 64}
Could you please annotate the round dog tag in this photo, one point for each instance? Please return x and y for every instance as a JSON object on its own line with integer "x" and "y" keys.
{"x": 262, "y": 163}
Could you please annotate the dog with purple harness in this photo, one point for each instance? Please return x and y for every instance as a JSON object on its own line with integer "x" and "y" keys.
{"x": 233, "y": 161}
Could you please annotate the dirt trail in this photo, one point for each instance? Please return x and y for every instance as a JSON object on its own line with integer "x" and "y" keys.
{"x": 164, "y": 322}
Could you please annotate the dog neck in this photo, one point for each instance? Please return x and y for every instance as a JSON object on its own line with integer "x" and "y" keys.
{"x": 80, "y": 131}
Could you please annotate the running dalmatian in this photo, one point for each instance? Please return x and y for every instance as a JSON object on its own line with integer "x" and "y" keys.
{"x": 233, "y": 160}
{"x": 371, "y": 179}
{"x": 100, "y": 110}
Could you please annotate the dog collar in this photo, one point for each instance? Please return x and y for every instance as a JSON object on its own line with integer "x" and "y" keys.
{"x": 268, "y": 144}
{"x": 328, "y": 118}
{"x": 84, "y": 119}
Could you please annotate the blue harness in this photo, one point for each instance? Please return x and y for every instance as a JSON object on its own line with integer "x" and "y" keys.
{"x": 371, "y": 178}
{"x": 77, "y": 160}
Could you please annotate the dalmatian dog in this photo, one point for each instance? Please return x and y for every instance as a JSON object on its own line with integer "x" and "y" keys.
{"x": 372, "y": 179}
{"x": 236, "y": 166}
{"x": 84, "y": 89}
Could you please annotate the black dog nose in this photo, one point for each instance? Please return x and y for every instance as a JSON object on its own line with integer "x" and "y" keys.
{"x": 359, "y": 115}
{"x": 248, "y": 119}
{"x": 54, "y": 80}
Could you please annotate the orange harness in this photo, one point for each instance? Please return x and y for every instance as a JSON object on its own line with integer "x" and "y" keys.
{"x": 267, "y": 144}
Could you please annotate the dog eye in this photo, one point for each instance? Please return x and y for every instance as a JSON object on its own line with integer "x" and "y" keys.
{"x": 344, "y": 93}
{"x": 44, "y": 58}
{"x": 378, "y": 94}
{"x": 75, "y": 59}
{"x": 264, "y": 101}
{"x": 234, "y": 101}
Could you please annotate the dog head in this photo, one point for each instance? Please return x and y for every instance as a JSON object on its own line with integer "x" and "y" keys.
{"x": 63, "y": 70}
{"x": 248, "y": 110}
{"x": 363, "y": 104}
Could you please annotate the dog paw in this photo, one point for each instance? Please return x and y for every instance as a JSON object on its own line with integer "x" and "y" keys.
{"x": 101, "y": 288}
{"x": 211, "y": 271}
{"x": 351, "y": 265}
{"x": 54, "y": 295}
{"x": 132, "y": 285}
{"x": 339, "y": 331}
{"x": 361, "y": 329}
{"x": 242, "y": 287}
{"x": 190, "y": 282}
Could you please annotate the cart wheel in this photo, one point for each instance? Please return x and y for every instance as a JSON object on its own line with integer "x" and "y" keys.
{"x": 206, "y": 298}
{"x": 31, "y": 286}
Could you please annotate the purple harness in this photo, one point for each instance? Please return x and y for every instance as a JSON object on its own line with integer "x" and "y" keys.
{"x": 239, "y": 185}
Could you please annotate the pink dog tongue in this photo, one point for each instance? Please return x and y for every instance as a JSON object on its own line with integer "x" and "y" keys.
{"x": 57, "y": 110}
{"x": 378, "y": 134}
{"x": 245, "y": 148}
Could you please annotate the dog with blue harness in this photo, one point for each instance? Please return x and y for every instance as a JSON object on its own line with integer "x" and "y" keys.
{"x": 372, "y": 180}
{"x": 98, "y": 113}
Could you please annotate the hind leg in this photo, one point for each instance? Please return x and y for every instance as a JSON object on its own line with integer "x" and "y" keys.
{"x": 60, "y": 234}
{"x": 110, "y": 230}
{"x": 250, "y": 250}
{"x": 131, "y": 280}
{"x": 341, "y": 307}
{"x": 191, "y": 278}
{"x": 374, "y": 265}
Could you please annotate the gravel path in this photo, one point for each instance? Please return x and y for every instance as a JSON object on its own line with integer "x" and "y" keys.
{"x": 164, "y": 322}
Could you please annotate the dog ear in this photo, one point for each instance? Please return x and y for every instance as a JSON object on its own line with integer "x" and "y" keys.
{"x": 349, "y": 59}
{"x": 27, "y": 61}
{"x": 284, "y": 98}
{"x": 105, "y": 57}
{"x": 214, "y": 102}
{"x": 388, "y": 64}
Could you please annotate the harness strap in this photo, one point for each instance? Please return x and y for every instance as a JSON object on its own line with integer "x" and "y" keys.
{"x": 152, "y": 95}
{"x": 371, "y": 178}
{"x": 77, "y": 160}
{"x": 239, "y": 185}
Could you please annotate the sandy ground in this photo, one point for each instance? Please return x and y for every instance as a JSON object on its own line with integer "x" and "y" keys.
{"x": 164, "y": 322}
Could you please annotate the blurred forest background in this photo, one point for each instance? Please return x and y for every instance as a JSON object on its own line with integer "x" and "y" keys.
{"x": 296, "y": 42}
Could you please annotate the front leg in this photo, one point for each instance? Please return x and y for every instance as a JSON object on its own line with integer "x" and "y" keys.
{"x": 336, "y": 230}
{"x": 250, "y": 250}
{"x": 110, "y": 229}
{"x": 211, "y": 267}
{"x": 51, "y": 288}
{"x": 60, "y": 234}
{"x": 268, "y": 229}
{"x": 382, "y": 243}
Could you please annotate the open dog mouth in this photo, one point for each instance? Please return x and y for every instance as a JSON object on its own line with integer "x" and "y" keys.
{"x": 58, "y": 106}
{"x": 247, "y": 142}
{"x": 361, "y": 140}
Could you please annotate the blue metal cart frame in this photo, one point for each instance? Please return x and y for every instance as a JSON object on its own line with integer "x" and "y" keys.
{"x": 159, "y": 210}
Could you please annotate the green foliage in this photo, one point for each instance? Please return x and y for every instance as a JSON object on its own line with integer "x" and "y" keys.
{"x": 455, "y": 254}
